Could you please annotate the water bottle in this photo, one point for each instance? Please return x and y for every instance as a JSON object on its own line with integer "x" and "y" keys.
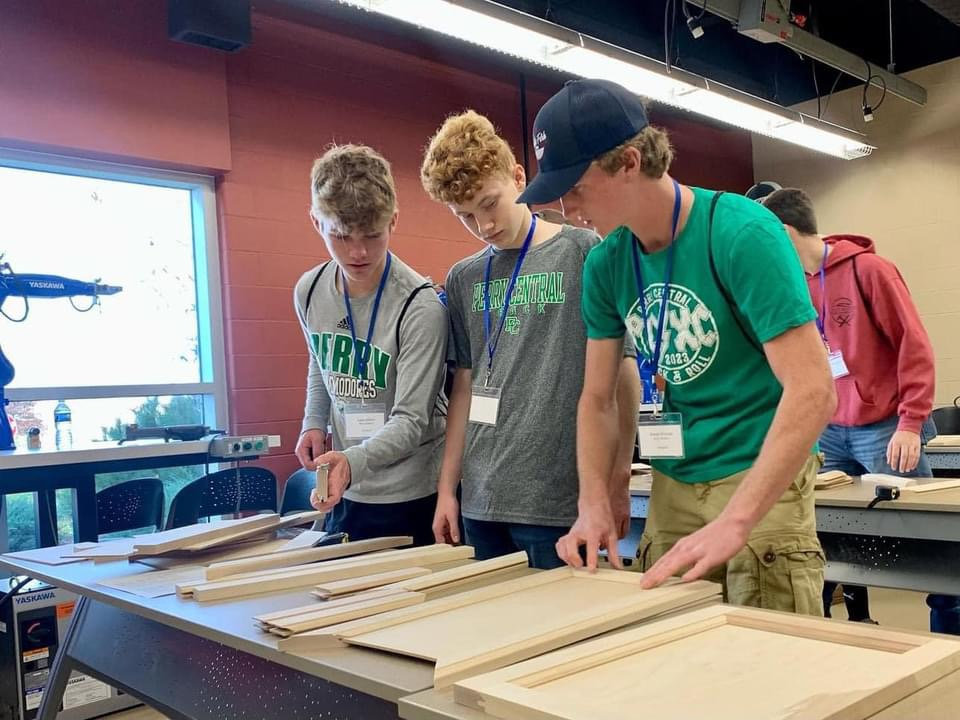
{"x": 63, "y": 426}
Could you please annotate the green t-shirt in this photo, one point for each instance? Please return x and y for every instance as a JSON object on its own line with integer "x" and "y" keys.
{"x": 717, "y": 377}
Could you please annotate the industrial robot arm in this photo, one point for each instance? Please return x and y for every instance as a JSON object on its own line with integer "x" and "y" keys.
{"x": 36, "y": 286}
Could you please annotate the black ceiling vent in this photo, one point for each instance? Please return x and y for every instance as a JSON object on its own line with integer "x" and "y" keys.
{"x": 219, "y": 24}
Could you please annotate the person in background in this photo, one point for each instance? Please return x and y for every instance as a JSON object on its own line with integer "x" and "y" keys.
{"x": 517, "y": 339}
{"x": 376, "y": 334}
{"x": 882, "y": 363}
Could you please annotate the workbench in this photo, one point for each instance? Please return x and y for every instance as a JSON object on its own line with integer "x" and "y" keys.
{"x": 46, "y": 470}
{"x": 944, "y": 459}
{"x": 912, "y": 543}
{"x": 207, "y": 661}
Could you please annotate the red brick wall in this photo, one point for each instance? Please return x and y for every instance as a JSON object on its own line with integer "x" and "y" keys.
{"x": 105, "y": 82}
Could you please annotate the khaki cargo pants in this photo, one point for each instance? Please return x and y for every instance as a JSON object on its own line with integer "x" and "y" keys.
{"x": 781, "y": 568}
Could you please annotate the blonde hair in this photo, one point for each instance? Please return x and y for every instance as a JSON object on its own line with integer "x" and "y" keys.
{"x": 352, "y": 184}
{"x": 655, "y": 151}
{"x": 464, "y": 153}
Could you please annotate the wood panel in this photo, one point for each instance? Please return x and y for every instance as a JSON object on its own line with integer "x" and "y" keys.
{"x": 366, "y": 582}
{"x": 783, "y": 667}
{"x": 482, "y": 629}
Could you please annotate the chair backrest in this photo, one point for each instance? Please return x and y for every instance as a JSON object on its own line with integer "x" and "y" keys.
{"x": 130, "y": 505}
{"x": 947, "y": 420}
{"x": 227, "y": 491}
{"x": 296, "y": 492}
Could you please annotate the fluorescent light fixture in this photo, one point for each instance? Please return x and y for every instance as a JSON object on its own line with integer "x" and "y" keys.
{"x": 537, "y": 41}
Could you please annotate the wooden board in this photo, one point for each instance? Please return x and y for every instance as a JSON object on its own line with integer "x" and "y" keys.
{"x": 234, "y": 552}
{"x": 119, "y": 549}
{"x": 327, "y": 614}
{"x": 366, "y": 582}
{"x": 464, "y": 572}
{"x": 162, "y": 542}
{"x": 721, "y": 663}
{"x": 944, "y": 441}
{"x": 243, "y": 533}
{"x": 297, "y": 557}
{"x": 926, "y": 487}
{"x": 483, "y": 629}
{"x": 272, "y": 617}
{"x": 290, "y": 578}
{"x": 832, "y": 479}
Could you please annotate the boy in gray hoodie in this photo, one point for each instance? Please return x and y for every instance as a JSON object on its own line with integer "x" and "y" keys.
{"x": 376, "y": 334}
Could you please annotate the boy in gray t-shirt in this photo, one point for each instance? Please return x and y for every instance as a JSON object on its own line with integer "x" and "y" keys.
{"x": 517, "y": 343}
{"x": 376, "y": 333}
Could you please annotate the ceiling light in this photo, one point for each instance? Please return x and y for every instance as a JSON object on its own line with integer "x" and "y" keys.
{"x": 537, "y": 41}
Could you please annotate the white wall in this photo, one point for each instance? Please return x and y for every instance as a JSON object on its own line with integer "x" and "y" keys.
{"x": 906, "y": 196}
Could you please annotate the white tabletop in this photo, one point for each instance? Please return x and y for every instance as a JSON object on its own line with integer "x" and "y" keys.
{"x": 92, "y": 452}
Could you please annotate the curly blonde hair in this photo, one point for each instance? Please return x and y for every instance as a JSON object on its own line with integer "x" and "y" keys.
{"x": 352, "y": 184}
{"x": 656, "y": 153}
{"x": 464, "y": 153}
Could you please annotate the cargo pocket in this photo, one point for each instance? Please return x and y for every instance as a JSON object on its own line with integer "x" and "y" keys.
{"x": 778, "y": 573}
{"x": 643, "y": 553}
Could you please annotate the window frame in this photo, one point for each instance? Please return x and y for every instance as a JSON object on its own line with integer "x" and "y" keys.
{"x": 206, "y": 257}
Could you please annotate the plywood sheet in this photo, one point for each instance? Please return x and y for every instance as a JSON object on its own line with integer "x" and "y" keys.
{"x": 482, "y": 629}
{"x": 783, "y": 667}
{"x": 156, "y": 583}
{"x": 945, "y": 441}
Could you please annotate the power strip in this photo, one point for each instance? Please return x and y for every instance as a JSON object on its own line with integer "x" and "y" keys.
{"x": 238, "y": 447}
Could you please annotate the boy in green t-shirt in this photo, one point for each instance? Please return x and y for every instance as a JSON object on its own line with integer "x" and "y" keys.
{"x": 747, "y": 384}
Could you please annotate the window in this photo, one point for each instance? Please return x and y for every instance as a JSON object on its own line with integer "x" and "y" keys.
{"x": 152, "y": 352}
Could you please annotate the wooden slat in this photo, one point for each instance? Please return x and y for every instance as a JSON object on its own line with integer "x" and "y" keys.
{"x": 218, "y": 571}
{"x": 930, "y": 487}
{"x": 291, "y": 625}
{"x": 353, "y": 585}
{"x": 319, "y": 574}
{"x": 271, "y": 618}
{"x": 162, "y": 542}
{"x": 465, "y": 572}
{"x": 244, "y": 533}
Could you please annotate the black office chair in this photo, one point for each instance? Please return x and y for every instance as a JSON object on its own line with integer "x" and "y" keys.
{"x": 296, "y": 492}
{"x": 242, "y": 489}
{"x": 130, "y": 505}
{"x": 947, "y": 419}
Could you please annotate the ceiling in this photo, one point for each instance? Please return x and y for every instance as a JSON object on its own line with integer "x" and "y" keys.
{"x": 921, "y": 36}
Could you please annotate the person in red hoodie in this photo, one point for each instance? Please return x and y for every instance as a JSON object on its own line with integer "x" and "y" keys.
{"x": 882, "y": 362}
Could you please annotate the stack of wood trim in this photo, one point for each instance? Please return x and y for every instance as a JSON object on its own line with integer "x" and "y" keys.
{"x": 832, "y": 479}
{"x": 302, "y": 576}
{"x": 381, "y": 592}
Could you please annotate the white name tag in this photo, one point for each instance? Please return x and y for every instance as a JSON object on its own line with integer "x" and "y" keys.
{"x": 485, "y": 406}
{"x": 363, "y": 421}
{"x": 838, "y": 368}
{"x": 661, "y": 437}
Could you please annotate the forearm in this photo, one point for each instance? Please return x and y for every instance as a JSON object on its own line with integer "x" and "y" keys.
{"x": 598, "y": 442}
{"x": 801, "y": 415}
{"x": 628, "y": 404}
{"x": 458, "y": 411}
{"x": 316, "y": 411}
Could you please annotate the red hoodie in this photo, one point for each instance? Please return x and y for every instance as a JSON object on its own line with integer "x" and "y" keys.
{"x": 875, "y": 324}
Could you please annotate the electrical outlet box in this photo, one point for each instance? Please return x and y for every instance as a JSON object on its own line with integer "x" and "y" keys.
{"x": 239, "y": 447}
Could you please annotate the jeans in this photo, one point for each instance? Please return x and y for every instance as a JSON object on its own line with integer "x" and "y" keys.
{"x": 863, "y": 449}
{"x": 491, "y": 539}
{"x": 363, "y": 521}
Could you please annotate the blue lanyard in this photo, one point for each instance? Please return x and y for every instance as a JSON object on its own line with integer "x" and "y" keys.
{"x": 649, "y": 366}
{"x": 492, "y": 347}
{"x": 363, "y": 356}
{"x": 823, "y": 296}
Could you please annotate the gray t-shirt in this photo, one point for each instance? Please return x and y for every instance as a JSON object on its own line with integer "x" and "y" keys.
{"x": 524, "y": 470}
{"x": 401, "y": 461}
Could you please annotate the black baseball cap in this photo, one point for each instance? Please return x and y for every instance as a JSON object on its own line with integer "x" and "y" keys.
{"x": 581, "y": 122}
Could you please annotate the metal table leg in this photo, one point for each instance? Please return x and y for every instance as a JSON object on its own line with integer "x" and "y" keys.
{"x": 187, "y": 677}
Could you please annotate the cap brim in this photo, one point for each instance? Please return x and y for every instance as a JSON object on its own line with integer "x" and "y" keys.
{"x": 548, "y": 186}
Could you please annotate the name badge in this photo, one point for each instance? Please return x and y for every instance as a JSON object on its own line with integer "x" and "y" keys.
{"x": 838, "y": 368}
{"x": 363, "y": 421}
{"x": 485, "y": 406}
{"x": 661, "y": 437}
